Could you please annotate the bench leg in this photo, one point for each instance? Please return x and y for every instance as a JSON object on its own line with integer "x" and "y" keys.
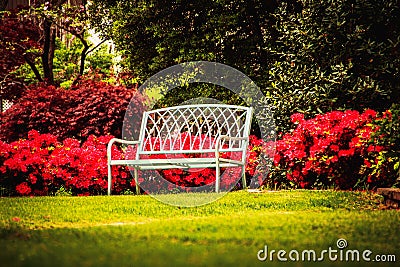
{"x": 217, "y": 176}
{"x": 244, "y": 178}
{"x": 109, "y": 179}
{"x": 137, "y": 181}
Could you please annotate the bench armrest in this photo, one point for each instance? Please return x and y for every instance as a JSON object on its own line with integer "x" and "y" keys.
{"x": 121, "y": 141}
{"x": 225, "y": 137}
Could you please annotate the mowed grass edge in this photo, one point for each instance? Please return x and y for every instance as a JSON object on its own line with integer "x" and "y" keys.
{"x": 140, "y": 231}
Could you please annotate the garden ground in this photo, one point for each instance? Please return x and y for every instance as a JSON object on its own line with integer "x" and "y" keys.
{"x": 140, "y": 231}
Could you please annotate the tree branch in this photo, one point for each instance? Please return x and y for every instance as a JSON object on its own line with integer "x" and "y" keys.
{"x": 94, "y": 48}
{"x": 33, "y": 67}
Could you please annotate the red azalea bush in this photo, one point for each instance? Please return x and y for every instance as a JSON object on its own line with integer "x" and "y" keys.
{"x": 347, "y": 150}
{"x": 40, "y": 165}
{"x": 92, "y": 107}
{"x": 333, "y": 149}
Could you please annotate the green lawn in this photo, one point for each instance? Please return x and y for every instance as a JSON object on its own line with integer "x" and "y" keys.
{"x": 140, "y": 231}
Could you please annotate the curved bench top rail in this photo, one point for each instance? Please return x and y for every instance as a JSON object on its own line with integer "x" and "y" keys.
{"x": 194, "y": 128}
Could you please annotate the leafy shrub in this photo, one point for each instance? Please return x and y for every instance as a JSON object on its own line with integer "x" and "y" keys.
{"x": 342, "y": 149}
{"x": 90, "y": 107}
{"x": 306, "y": 56}
{"x": 334, "y": 149}
{"x": 334, "y": 55}
{"x": 386, "y": 163}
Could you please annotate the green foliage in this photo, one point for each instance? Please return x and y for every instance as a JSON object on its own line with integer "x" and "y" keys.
{"x": 182, "y": 94}
{"x": 388, "y": 135}
{"x": 336, "y": 54}
{"x": 67, "y": 60}
{"x": 306, "y": 56}
{"x": 100, "y": 60}
{"x": 157, "y": 34}
{"x": 63, "y": 192}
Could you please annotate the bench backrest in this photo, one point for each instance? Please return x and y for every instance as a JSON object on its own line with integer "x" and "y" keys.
{"x": 194, "y": 128}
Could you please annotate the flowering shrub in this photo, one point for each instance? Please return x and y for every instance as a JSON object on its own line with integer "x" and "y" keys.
{"x": 385, "y": 163}
{"x": 92, "y": 107}
{"x": 332, "y": 149}
{"x": 40, "y": 165}
{"x": 347, "y": 150}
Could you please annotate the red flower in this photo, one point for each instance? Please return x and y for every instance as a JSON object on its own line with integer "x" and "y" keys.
{"x": 32, "y": 178}
{"x": 346, "y": 153}
{"x": 374, "y": 148}
{"x": 367, "y": 163}
{"x": 335, "y": 148}
{"x": 297, "y": 118}
{"x": 23, "y": 189}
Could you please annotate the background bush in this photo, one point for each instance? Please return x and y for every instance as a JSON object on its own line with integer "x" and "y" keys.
{"x": 306, "y": 56}
{"x": 90, "y": 107}
{"x": 335, "y": 55}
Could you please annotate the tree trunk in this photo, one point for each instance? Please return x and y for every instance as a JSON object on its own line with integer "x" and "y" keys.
{"x": 83, "y": 57}
{"x": 51, "y": 53}
{"x": 48, "y": 51}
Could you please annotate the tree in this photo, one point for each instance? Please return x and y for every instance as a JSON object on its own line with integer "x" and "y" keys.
{"x": 336, "y": 55}
{"x": 30, "y": 34}
{"x": 157, "y": 34}
{"x": 20, "y": 43}
{"x": 307, "y": 56}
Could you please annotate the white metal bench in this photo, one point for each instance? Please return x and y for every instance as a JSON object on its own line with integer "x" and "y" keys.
{"x": 188, "y": 129}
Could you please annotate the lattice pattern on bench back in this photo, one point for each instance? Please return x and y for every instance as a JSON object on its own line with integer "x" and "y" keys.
{"x": 194, "y": 128}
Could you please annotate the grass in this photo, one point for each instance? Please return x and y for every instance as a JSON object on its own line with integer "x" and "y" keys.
{"x": 140, "y": 231}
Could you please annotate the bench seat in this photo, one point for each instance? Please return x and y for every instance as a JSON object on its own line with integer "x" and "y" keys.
{"x": 184, "y": 163}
